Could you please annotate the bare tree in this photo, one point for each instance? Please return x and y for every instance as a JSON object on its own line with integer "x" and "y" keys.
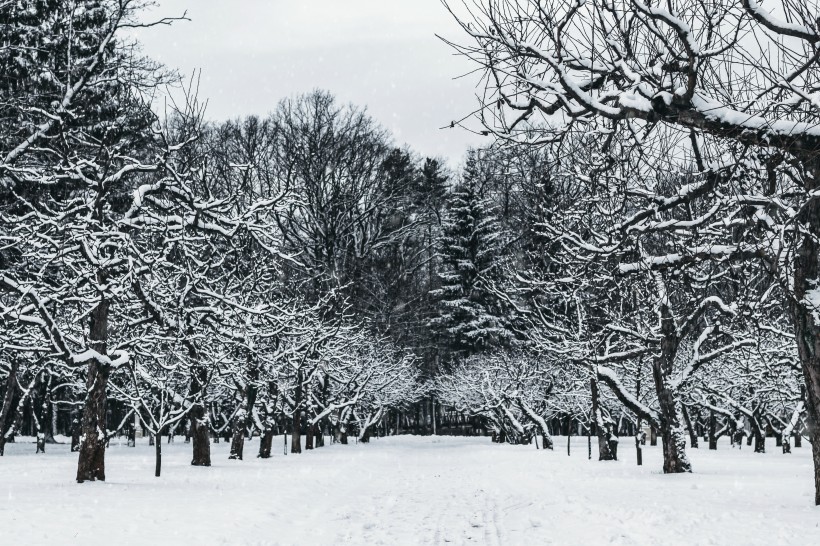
{"x": 734, "y": 80}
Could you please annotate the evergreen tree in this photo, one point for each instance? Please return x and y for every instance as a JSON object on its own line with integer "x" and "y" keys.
{"x": 469, "y": 318}
{"x": 432, "y": 188}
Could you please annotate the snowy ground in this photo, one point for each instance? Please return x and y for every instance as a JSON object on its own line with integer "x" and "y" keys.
{"x": 409, "y": 490}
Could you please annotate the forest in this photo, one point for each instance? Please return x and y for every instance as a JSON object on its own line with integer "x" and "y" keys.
{"x": 634, "y": 255}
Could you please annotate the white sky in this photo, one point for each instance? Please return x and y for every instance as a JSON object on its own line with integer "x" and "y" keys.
{"x": 382, "y": 54}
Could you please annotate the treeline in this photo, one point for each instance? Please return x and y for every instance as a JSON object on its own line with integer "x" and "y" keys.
{"x": 597, "y": 271}
{"x": 214, "y": 278}
{"x": 680, "y": 254}
{"x": 294, "y": 273}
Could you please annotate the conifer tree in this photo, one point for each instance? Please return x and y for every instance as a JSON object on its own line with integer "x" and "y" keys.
{"x": 468, "y": 317}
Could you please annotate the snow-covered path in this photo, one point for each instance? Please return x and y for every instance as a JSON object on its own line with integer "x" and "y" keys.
{"x": 409, "y": 490}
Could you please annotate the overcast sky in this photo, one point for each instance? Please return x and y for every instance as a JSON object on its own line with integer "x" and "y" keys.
{"x": 382, "y": 54}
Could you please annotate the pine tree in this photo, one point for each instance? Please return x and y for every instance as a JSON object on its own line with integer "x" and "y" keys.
{"x": 469, "y": 318}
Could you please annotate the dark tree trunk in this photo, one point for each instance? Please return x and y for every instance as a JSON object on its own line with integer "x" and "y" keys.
{"x": 6, "y": 414}
{"x": 370, "y": 423}
{"x": 242, "y": 421}
{"x": 40, "y": 420}
{"x": 76, "y": 417}
{"x": 200, "y": 428}
{"x": 320, "y": 435}
{"x": 337, "y": 433}
{"x": 40, "y": 412}
{"x": 547, "y": 441}
{"x": 672, "y": 439}
{"x": 91, "y": 464}
{"x": 132, "y": 435}
{"x": 344, "y": 426}
{"x": 311, "y": 431}
{"x": 712, "y": 430}
{"x": 602, "y": 427}
{"x": 693, "y": 437}
{"x": 807, "y": 330}
{"x": 365, "y": 437}
{"x": 569, "y": 433}
{"x": 158, "y": 454}
{"x": 674, "y": 443}
{"x": 237, "y": 443}
{"x": 201, "y": 436}
{"x": 265, "y": 443}
{"x": 296, "y": 432}
{"x": 758, "y": 434}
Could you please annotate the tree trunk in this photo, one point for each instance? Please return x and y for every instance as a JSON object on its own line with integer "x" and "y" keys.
{"x": 602, "y": 428}
{"x": 237, "y": 441}
{"x": 807, "y": 329}
{"x": 760, "y": 443}
{"x": 693, "y": 437}
{"x": 158, "y": 453}
{"x": 76, "y": 417}
{"x": 39, "y": 415}
{"x": 243, "y": 421}
{"x": 265, "y": 443}
{"x": 6, "y": 413}
{"x": 342, "y": 426}
{"x": 758, "y": 434}
{"x": 433, "y": 414}
{"x": 314, "y": 436}
{"x": 319, "y": 435}
{"x": 712, "y": 430}
{"x": 369, "y": 423}
{"x": 296, "y": 432}
{"x": 365, "y": 436}
{"x": 311, "y": 431}
{"x": 200, "y": 429}
{"x": 672, "y": 435}
{"x": 638, "y": 448}
{"x": 91, "y": 464}
{"x": 132, "y": 431}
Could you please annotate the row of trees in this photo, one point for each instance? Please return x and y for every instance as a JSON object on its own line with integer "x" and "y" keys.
{"x": 163, "y": 266}
{"x": 639, "y": 246}
{"x": 681, "y": 237}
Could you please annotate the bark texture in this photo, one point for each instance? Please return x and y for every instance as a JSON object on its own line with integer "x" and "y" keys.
{"x": 91, "y": 464}
{"x": 200, "y": 429}
{"x": 6, "y": 413}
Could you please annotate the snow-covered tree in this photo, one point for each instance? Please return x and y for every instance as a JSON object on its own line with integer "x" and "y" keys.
{"x": 472, "y": 250}
{"x": 656, "y": 80}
